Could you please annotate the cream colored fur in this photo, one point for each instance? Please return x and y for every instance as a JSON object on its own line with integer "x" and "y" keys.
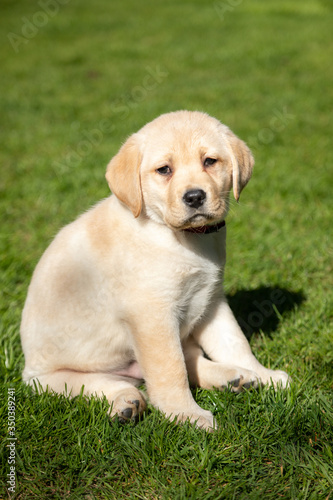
{"x": 124, "y": 292}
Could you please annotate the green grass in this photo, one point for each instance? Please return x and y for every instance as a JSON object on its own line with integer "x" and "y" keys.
{"x": 93, "y": 73}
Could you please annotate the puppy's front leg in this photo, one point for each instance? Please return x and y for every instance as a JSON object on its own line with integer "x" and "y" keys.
{"x": 159, "y": 353}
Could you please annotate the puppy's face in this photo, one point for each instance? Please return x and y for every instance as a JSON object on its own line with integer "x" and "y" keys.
{"x": 180, "y": 169}
{"x": 186, "y": 172}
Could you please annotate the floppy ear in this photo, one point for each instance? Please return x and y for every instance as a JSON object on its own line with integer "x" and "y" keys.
{"x": 123, "y": 175}
{"x": 242, "y": 163}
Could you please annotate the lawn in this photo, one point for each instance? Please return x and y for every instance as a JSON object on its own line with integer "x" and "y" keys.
{"x": 77, "y": 78}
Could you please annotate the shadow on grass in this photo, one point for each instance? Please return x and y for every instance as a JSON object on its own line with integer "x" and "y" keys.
{"x": 262, "y": 308}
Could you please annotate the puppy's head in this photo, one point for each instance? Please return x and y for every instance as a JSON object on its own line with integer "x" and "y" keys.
{"x": 179, "y": 170}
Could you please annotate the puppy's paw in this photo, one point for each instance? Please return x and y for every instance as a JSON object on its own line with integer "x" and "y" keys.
{"x": 246, "y": 379}
{"x": 207, "y": 423}
{"x": 277, "y": 378}
{"x": 202, "y": 419}
{"x": 128, "y": 405}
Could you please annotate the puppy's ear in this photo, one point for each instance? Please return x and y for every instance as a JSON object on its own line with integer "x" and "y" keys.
{"x": 123, "y": 175}
{"x": 242, "y": 163}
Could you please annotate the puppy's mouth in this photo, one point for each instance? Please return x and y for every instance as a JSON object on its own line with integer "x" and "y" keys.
{"x": 196, "y": 221}
{"x": 199, "y": 218}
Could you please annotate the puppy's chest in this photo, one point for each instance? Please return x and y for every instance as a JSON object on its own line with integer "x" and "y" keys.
{"x": 197, "y": 284}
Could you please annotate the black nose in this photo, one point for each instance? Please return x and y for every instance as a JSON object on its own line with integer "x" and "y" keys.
{"x": 194, "y": 198}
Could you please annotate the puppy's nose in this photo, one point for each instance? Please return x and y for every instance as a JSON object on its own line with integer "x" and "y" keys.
{"x": 194, "y": 198}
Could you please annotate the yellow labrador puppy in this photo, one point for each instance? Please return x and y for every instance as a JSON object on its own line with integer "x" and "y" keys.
{"x": 132, "y": 289}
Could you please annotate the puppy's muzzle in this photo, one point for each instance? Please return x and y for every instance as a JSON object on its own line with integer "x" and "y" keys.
{"x": 194, "y": 198}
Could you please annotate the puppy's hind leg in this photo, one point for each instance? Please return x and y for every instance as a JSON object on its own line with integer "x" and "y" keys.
{"x": 203, "y": 372}
{"x": 125, "y": 399}
{"x": 223, "y": 341}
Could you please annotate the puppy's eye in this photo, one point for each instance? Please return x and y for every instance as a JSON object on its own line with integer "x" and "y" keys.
{"x": 209, "y": 162}
{"x": 166, "y": 170}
